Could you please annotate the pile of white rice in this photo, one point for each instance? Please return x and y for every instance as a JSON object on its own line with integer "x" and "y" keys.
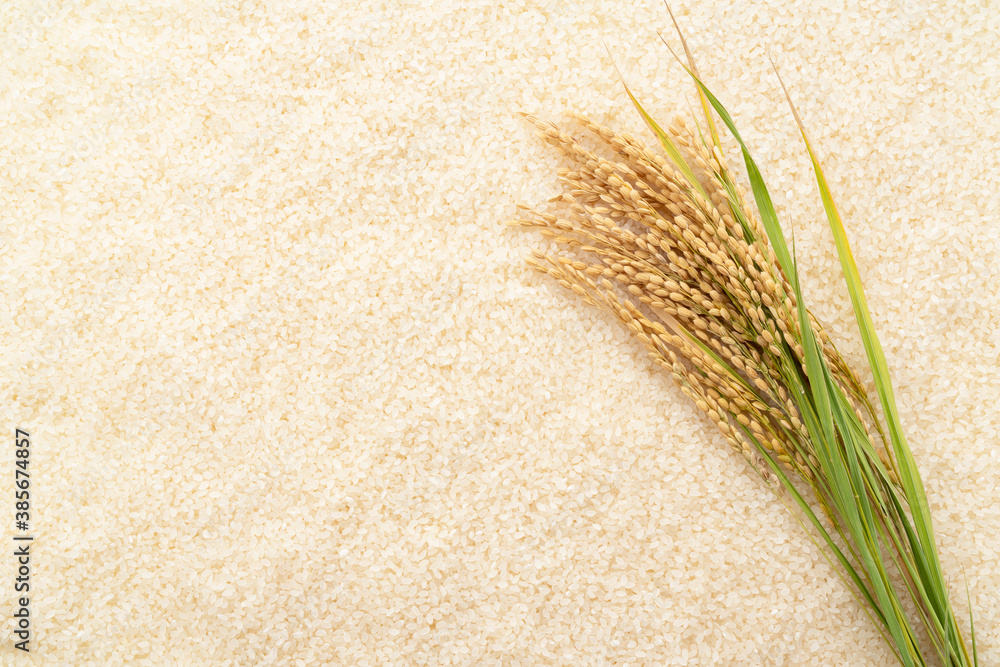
{"x": 295, "y": 398}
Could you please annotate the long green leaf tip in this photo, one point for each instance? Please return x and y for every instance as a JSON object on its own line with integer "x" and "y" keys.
{"x": 665, "y": 141}
{"x": 713, "y": 132}
{"x": 972, "y": 625}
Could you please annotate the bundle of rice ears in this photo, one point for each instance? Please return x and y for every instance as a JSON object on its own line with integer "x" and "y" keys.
{"x": 672, "y": 246}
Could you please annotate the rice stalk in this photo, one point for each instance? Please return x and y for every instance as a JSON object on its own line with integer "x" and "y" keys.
{"x": 671, "y": 245}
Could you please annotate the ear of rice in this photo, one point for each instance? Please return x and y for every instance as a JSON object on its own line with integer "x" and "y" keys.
{"x": 674, "y": 250}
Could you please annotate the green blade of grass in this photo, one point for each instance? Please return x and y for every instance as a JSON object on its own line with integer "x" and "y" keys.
{"x": 761, "y": 195}
{"x": 826, "y": 430}
{"x": 666, "y": 142}
{"x": 935, "y": 593}
{"x": 690, "y": 58}
{"x": 937, "y": 596}
{"x": 972, "y": 625}
{"x": 818, "y": 526}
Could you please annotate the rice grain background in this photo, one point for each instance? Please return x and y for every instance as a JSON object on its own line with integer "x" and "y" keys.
{"x": 296, "y": 400}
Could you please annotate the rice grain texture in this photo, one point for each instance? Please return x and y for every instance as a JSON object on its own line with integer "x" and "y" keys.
{"x": 296, "y": 399}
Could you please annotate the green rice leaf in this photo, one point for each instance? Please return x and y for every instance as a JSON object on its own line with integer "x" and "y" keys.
{"x": 673, "y": 152}
{"x": 818, "y": 526}
{"x": 972, "y": 625}
{"x": 690, "y": 59}
{"x": 937, "y": 596}
{"x": 761, "y": 195}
